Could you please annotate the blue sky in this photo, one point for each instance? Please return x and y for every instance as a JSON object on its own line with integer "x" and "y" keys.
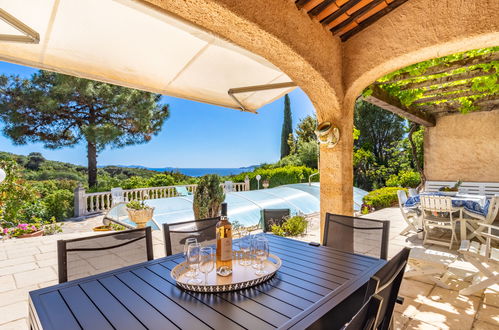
{"x": 195, "y": 135}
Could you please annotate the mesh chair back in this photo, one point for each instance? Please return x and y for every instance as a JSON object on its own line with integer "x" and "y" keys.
{"x": 87, "y": 256}
{"x": 366, "y": 318}
{"x": 274, "y": 217}
{"x": 357, "y": 235}
{"x": 175, "y": 234}
{"x": 387, "y": 284}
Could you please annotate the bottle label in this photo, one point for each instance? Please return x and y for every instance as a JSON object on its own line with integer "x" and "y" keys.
{"x": 226, "y": 249}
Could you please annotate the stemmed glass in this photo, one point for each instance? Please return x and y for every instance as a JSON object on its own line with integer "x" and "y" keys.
{"x": 245, "y": 247}
{"x": 261, "y": 251}
{"x": 188, "y": 241}
{"x": 206, "y": 262}
{"x": 193, "y": 258}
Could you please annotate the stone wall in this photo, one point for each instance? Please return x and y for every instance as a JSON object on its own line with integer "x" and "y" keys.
{"x": 463, "y": 147}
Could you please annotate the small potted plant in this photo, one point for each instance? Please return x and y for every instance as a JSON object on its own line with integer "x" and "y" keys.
{"x": 24, "y": 230}
{"x": 139, "y": 212}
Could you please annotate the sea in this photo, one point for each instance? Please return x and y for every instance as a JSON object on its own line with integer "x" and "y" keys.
{"x": 196, "y": 172}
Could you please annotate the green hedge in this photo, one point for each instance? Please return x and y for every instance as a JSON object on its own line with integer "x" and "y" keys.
{"x": 409, "y": 179}
{"x": 278, "y": 176}
{"x": 384, "y": 197}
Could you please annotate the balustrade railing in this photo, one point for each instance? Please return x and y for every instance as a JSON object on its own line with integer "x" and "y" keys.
{"x": 90, "y": 203}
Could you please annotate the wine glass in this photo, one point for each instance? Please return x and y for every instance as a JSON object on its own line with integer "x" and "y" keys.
{"x": 206, "y": 262}
{"x": 261, "y": 253}
{"x": 188, "y": 241}
{"x": 245, "y": 247}
{"x": 193, "y": 258}
{"x": 253, "y": 259}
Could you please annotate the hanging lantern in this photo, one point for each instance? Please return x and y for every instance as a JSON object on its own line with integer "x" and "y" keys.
{"x": 327, "y": 134}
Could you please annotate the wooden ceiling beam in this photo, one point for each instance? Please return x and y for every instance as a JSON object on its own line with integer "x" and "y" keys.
{"x": 371, "y": 19}
{"x": 443, "y": 80}
{"x": 448, "y": 89}
{"x": 384, "y": 100}
{"x": 343, "y": 9}
{"x": 447, "y": 67}
{"x": 486, "y": 103}
{"x": 356, "y": 15}
{"x": 447, "y": 96}
{"x": 301, "y": 3}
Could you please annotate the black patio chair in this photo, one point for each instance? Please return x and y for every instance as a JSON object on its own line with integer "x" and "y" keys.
{"x": 357, "y": 235}
{"x": 386, "y": 284}
{"x": 274, "y": 217}
{"x": 92, "y": 255}
{"x": 175, "y": 234}
{"x": 367, "y": 316}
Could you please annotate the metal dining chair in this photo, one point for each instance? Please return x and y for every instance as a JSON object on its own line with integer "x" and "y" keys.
{"x": 367, "y": 316}
{"x": 357, "y": 235}
{"x": 81, "y": 257}
{"x": 175, "y": 234}
{"x": 274, "y": 217}
{"x": 386, "y": 284}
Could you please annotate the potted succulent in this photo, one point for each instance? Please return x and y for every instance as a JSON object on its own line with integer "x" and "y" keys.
{"x": 451, "y": 191}
{"x": 139, "y": 212}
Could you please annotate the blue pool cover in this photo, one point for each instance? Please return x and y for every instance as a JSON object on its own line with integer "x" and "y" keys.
{"x": 245, "y": 207}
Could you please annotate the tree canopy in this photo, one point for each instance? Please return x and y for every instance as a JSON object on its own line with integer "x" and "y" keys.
{"x": 60, "y": 111}
{"x": 287, "y": 127}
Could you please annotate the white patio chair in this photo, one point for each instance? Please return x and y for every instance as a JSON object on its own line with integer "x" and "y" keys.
{"x": 412, "y": 192}
{"x": 476, "y": 222}
{"x": 444, "y": 218}
{"x": 410, "y": 216}
{"x": 484, "y": 257}
{"x": 432, "y": 264}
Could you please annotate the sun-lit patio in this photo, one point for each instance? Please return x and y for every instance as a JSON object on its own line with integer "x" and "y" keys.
{"x": 29, "y": 264}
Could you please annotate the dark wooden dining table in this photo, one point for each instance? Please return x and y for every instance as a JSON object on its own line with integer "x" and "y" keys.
{"x": 311, "y": 282}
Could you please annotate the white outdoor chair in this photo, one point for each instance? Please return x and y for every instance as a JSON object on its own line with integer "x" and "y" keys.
{"x": 432, "y": 264}
{"x": 444, "y": 218}
{"x": 410, "y": 216}
{"x": 476, "y": 222}
{"x": 484, "y": 257}
{"x": 412, "y": 192}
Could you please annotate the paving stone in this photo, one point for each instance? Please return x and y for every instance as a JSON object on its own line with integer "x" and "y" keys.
{"x": 491, "y": 297}
{"x": 35, "y": 276}
{"x": 44, "y": 256}
{"x": 18, "y": 268}
{"x": 481, "y": 325}
{"x": 419, "y": 325}
{"x": 48, "y": 247}
{"x": 15, "y": 253}
{"x": 468, "y": 303}
{"x": 16, "y": 295}
{"x": 399, "y": 321}
{"x": 7, "y": 283}
{"x": 13, "y": 312}
{"x": 47, "y": 284}
{"x": 414, "y": 289}
{"x": 489, "y": 314}
{"x": 16, "y": 261}
{"x": 20, "y": 324}
{"x": 46, "y": 263}
{"x": 3, "y": 255}
{"x": 444, "y": 316}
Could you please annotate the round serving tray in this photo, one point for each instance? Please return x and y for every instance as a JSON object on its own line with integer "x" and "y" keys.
{"x": 242, "y": 276}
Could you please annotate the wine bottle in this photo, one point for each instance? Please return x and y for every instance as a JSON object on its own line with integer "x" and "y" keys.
{"x": 224, "y": 244}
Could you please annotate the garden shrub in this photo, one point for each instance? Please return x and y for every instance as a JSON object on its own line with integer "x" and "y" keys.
{"x": 294, "y": 226}
{"x": 160, "y": 180}
{"x": 208, "y": 197}
{"x": 278, "y": 176}
{"x": 383, "y": 197}
{"x": 409, "y": 179}
{"x": 60, "y": 204}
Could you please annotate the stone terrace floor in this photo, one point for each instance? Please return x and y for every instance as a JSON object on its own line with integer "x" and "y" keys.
{"x": 29, "y": 264}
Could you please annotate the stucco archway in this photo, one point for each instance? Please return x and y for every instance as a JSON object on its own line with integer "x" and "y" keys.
{"x": 306, "y": 52}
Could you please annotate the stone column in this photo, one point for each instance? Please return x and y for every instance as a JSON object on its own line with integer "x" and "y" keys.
{"x": 336, "y": 170}
{"x": 246, "y": 183}
{"x": 79, "y": 201}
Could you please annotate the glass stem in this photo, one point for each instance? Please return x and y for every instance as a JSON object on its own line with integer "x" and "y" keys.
{"x": 206, "y": 278}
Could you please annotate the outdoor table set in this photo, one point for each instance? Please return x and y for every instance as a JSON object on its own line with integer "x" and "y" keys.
{"x": 477, "y": 206}
{"x": 300, "y": 284}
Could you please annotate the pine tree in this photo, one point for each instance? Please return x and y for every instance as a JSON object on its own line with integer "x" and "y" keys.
{"x": 287, "y": 128}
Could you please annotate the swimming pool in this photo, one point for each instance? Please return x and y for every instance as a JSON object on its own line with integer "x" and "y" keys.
{"x": 245, "y": 207}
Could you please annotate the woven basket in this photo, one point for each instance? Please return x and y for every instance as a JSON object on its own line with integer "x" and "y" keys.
{"x": 140, "y": 217}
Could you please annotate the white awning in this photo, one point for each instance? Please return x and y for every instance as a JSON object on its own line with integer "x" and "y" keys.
{"x": 127, "y": 43}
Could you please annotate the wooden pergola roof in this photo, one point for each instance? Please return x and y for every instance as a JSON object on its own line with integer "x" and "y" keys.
{"x": 457, "y": 83}
{"x": 345, "y": 18}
